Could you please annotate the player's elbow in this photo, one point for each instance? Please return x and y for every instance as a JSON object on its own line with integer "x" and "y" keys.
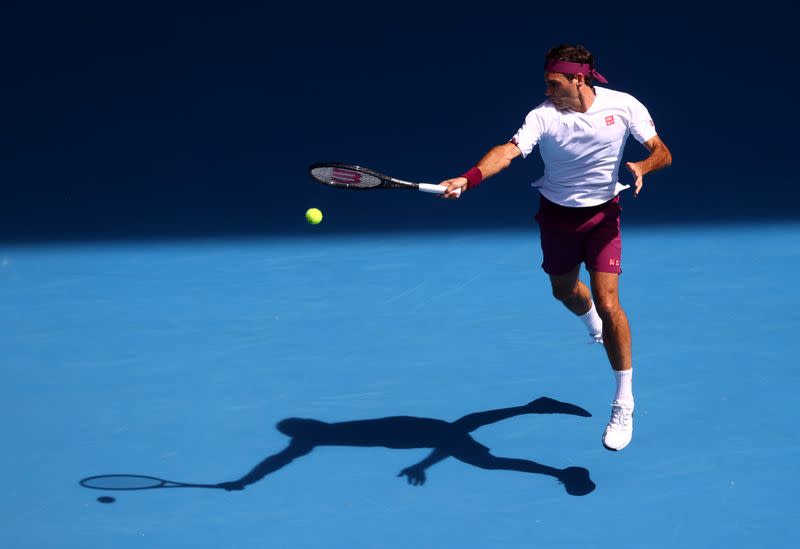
{"x": 664, "y": 156}
{"x": 667, "y": 158}
{"x": 660, "y": 155}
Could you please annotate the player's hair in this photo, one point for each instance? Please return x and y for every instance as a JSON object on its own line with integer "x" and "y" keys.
{"x": 575, "y": 53}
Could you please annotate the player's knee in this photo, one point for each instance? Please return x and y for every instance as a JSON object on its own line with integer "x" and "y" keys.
{"x": 565, "y": 293}
{"x": 607, "y": 307}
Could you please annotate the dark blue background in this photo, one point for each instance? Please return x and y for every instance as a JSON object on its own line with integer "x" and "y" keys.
{"x": 199, "y": 119}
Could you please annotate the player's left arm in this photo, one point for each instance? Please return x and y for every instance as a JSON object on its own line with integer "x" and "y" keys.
{"x": 416, "y": 472}
{"x": 659, "y": 158}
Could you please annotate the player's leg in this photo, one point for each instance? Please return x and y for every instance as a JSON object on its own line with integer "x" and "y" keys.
{"x": 542, "y": 405}
{"x": 603, "y": 248}
{"x": 576, "y": 480}
{"x": 617, "y": 336}
{"x": 571, "y": 291}
{"x": 575, "y": 295}
{"x": 616, "y": 330}
{"x": 562, "y": 255}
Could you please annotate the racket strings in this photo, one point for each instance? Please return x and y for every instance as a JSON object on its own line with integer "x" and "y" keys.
{"x": 345, "y": 177}
{"x": 122, "y": 482}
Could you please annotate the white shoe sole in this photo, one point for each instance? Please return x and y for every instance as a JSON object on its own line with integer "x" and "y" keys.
{"x": 615, "y": 449}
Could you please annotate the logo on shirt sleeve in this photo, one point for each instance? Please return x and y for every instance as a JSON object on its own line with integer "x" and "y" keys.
{"x": 609, "y": 119}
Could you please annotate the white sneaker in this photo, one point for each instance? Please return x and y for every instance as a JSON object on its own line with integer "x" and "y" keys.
{"x": 619, "y": 431}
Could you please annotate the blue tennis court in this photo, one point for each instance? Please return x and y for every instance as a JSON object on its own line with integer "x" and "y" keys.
{"x": 178, "y": 359}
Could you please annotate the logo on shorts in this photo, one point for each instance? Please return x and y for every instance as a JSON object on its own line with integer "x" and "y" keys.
{"x": 609, "y": 119}
{"x": 613, "y": 262}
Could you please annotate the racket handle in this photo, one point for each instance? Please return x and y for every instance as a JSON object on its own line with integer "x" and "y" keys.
{"x": 435, "y": 189}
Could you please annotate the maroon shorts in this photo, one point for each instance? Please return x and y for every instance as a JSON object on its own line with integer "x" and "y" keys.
{"x": 571, "y": 236}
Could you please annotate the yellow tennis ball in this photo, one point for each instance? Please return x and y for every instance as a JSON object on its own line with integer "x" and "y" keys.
{"x": 313, "y": 216}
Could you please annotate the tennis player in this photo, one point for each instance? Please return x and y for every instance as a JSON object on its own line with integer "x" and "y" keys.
{"x": 444, "y": 438}
{"x": 581, "y": 130}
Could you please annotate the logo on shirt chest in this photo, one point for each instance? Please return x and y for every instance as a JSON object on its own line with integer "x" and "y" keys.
{"x": 609, "y": 120}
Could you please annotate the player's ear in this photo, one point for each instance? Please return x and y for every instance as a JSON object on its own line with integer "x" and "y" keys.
{"x": 580, "y": 79}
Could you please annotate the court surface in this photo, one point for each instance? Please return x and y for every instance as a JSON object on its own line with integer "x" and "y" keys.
{"x": 178, "y": 359}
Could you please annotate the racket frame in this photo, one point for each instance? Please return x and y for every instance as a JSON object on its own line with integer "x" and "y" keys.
{"x": 156, "y": 483}
{"x": 387, "y": 182}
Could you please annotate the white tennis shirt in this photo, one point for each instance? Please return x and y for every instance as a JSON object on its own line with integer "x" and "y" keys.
{"x": 582, "y": 151}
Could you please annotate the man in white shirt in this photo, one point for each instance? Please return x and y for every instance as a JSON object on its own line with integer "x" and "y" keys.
{"x": 581, "y": 130}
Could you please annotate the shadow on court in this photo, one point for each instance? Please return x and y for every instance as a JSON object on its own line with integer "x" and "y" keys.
{"x": 446, "y": 439}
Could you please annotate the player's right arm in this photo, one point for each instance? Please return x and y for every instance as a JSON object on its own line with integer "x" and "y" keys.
{"x": 493, "y": 162}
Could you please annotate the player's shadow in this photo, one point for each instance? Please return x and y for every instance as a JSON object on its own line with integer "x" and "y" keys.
{"x": 446, "y": 439}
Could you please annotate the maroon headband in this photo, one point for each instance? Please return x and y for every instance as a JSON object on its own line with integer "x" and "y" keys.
{"x": 568, "y": 67}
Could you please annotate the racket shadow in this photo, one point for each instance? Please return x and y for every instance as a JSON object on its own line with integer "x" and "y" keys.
{"x": 445, "y": 439}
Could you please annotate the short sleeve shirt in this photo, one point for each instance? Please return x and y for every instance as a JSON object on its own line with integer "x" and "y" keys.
{"x": 582, "y": 152}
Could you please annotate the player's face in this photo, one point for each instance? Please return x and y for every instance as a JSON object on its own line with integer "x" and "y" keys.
{"x": 562, "y": 91}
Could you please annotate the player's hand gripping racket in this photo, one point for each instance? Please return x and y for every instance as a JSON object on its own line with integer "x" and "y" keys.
{"x": 348, "y": 176}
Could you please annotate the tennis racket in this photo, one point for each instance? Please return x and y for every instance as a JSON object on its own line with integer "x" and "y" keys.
{"x": 348, "y": 176}
{"x": 136, "y": 482}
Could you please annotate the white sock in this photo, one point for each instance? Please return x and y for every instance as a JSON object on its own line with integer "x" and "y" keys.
{"x": 593, "y": 322}
{"x": 624, "y": 385}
